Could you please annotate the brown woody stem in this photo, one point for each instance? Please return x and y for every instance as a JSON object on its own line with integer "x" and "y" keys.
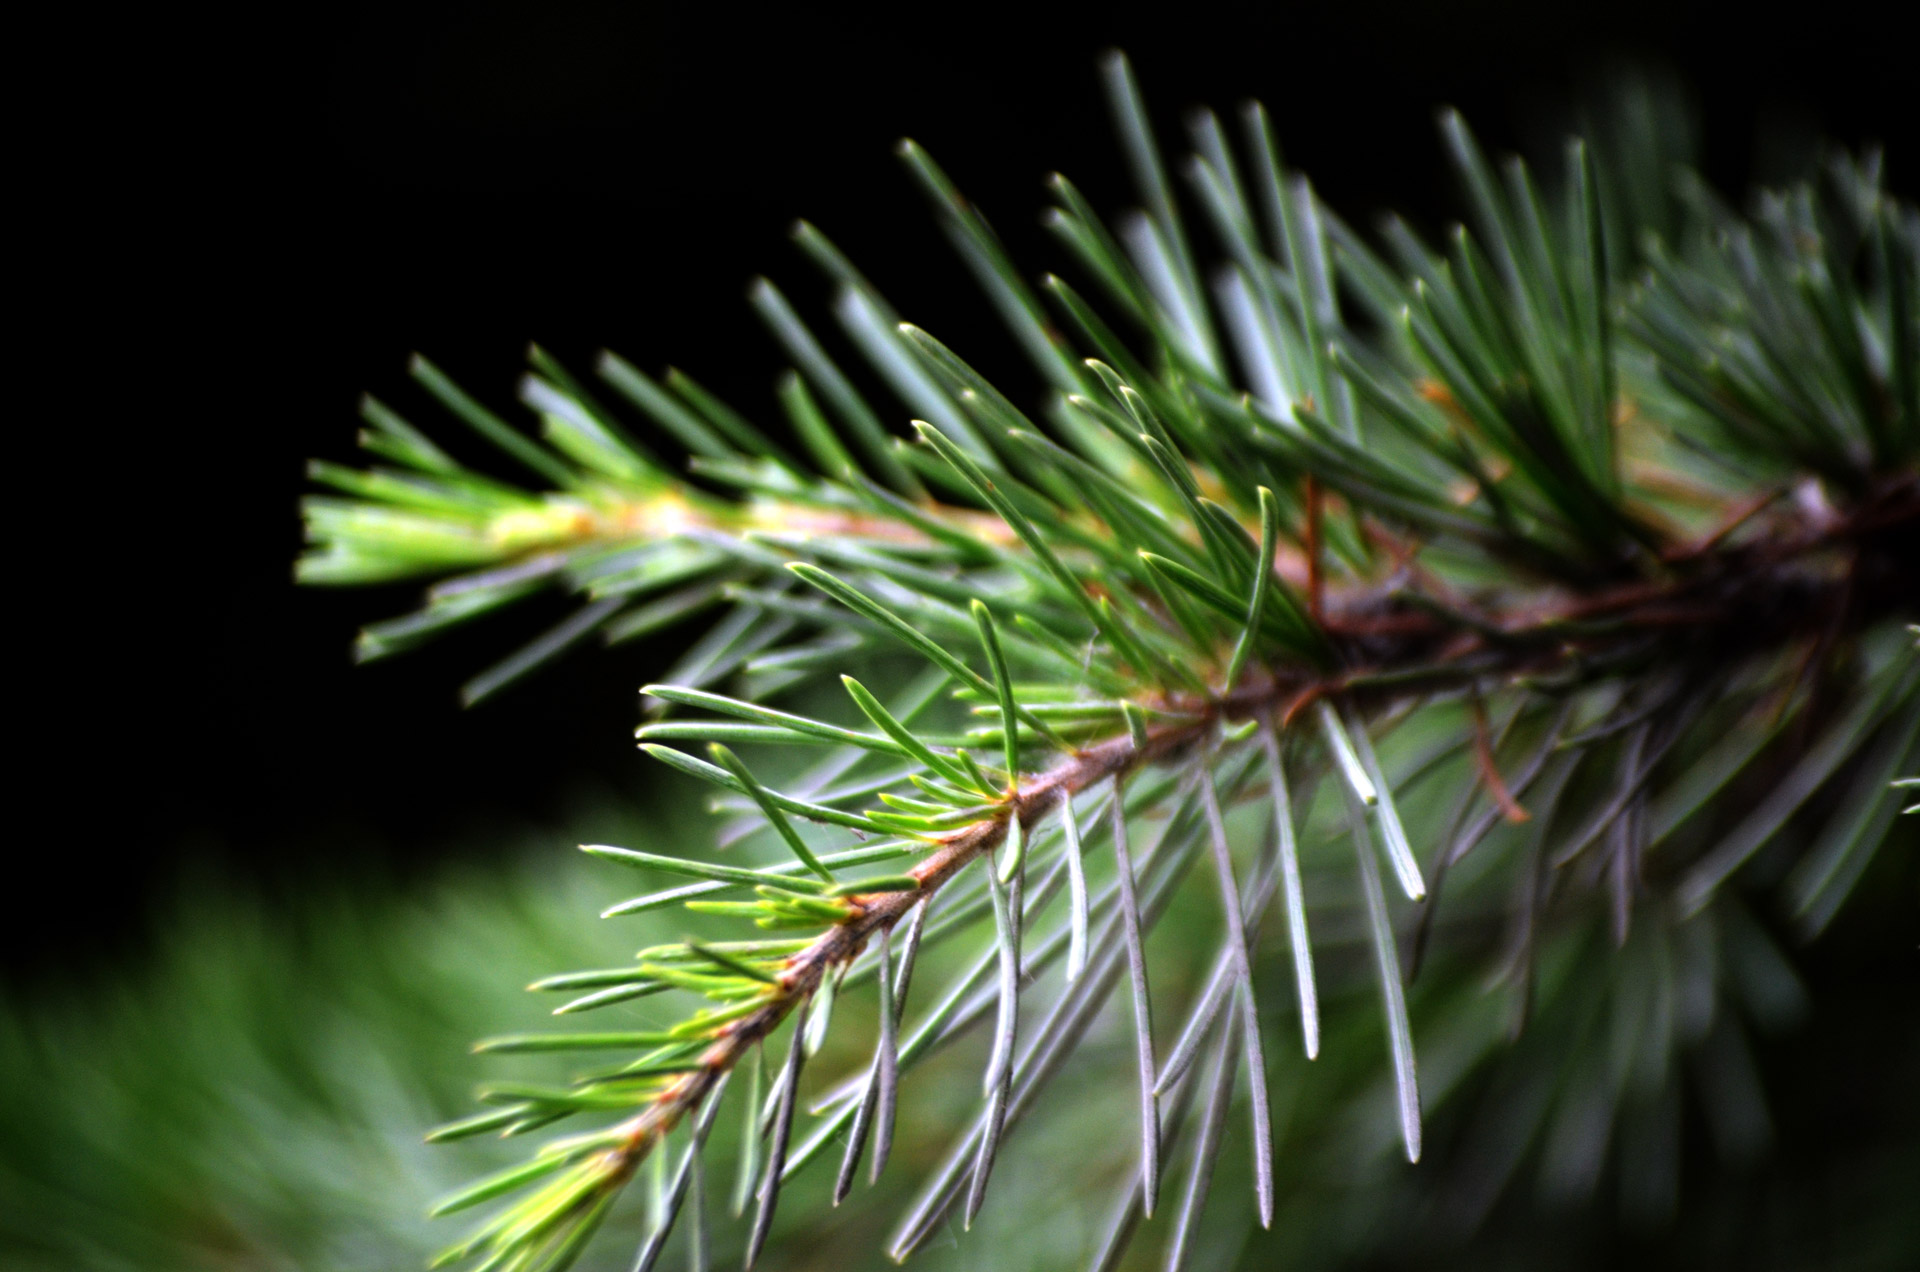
{"x": 1728, "y": 602}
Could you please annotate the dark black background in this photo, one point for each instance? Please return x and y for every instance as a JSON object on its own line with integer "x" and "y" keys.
{"x": 240, "y": 220}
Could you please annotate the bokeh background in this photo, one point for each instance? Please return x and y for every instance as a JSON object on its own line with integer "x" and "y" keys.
{"x": 262, "y": 897}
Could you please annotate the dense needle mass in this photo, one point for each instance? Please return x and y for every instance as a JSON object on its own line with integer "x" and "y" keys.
{"x": 1650, "y": 504}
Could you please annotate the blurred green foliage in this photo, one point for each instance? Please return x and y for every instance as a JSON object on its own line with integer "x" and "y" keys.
{"x": 253, "y": 1095}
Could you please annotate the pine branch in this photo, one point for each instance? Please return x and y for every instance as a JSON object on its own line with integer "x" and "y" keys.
{"x": 1661, "y": 507}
